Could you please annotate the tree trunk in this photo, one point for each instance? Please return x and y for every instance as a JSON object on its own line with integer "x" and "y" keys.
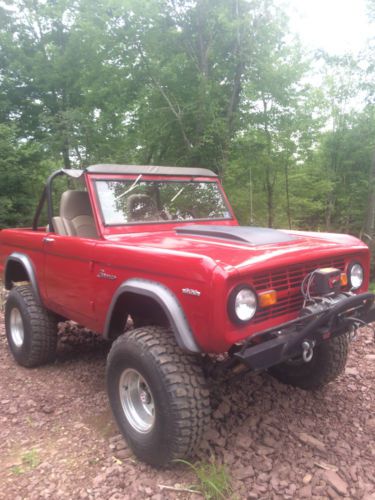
{"x": 269, "y": 189}
{"x": 270, "y": 179}
{"x": 368, "y": 233}
{"x": 369, "y": 223}
{"x": 65, "y": 153}
{"x": 329, "y": 210}
{"x": 287, "y": 195}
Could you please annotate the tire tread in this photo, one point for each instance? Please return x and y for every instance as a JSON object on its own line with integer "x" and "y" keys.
{"x": 183, "y": 379}
{"x": 332, "y": 357}
{"x": 43, "y": 327}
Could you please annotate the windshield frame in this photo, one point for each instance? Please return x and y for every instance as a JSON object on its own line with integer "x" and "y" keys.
{"x": 155, "y": 178}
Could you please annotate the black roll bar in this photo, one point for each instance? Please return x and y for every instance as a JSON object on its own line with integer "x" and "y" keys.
{"x": 46, "y": 195}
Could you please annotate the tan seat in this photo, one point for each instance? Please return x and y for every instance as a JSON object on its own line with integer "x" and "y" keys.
{"x": 58, "y": 226}
{"x": 142, "y": 207}
{"x": 76, "y": 217}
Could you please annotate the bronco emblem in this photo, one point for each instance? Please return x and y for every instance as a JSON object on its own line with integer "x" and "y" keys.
{"x": 105, "y": 276}
{"x": 191, "y": 291}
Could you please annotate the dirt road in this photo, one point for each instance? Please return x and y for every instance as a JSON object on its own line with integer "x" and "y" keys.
{"x": 58, "y": 439}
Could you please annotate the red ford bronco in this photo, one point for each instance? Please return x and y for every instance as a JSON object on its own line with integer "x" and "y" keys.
{"x": 162, "y": 245}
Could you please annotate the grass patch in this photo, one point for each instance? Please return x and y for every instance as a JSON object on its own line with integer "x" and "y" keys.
{"x": 30, "y": 460}
{"x": 213, "y": 480}
{"x": 17, "y": 470}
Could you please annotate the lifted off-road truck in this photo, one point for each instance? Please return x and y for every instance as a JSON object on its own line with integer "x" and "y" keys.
{"x": 162, "y": 246}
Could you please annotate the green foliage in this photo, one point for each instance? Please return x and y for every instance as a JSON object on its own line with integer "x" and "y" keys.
{"x": 213, "y": 480}
{"x": 215, "y": 83}
{"x": 29, "y": 460}
{"x": 22, "y": 170}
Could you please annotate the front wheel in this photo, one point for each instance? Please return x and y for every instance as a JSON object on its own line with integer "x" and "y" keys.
{"x": 158, "y": 395}
{"x": 328, "y": 362}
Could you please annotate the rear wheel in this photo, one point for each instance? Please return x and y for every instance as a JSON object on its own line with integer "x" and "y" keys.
{"x": 158, "y": 395}
{"x": 327, "y": 363}
{"x": 31, "y": 329}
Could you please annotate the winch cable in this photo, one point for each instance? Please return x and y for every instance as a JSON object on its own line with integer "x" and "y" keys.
{"x": 364, "y": 300}
{"x": 306, "y": 286}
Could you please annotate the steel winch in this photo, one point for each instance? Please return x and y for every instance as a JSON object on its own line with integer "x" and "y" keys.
{"x": 327, "y": 312}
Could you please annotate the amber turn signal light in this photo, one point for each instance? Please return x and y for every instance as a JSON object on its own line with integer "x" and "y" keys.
{"x": 268, "y": 298}
{"x": 343, "y": 279}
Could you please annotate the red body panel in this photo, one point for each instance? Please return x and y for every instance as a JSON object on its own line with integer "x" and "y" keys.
{"x": 67, "y": 270}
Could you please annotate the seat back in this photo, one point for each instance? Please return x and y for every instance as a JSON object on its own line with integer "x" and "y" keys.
{"x": 58, "y": 226}
{"x": 76, "y": 215}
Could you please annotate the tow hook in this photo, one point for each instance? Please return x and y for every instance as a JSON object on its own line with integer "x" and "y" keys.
{"x": 353, "y": 332}
{"x": 307, "y": 350}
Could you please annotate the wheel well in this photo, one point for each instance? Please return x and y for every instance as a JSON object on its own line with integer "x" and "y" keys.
{"x": 139, "y": 307}
{"x": 15, "y": 271}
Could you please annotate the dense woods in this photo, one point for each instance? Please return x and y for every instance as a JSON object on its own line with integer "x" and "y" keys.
{"x": 216, "y": 83}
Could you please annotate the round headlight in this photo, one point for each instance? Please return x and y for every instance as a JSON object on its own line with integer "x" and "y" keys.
{"x": 356, "y": 275}
{"x": 242, "y": 304}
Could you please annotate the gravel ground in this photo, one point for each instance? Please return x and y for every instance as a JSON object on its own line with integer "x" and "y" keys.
{"x": 58, "y": 439}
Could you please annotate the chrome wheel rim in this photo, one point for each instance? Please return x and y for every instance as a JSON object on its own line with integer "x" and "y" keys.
{"x": 137, "y": 401}
{"x": 16, "y": 327}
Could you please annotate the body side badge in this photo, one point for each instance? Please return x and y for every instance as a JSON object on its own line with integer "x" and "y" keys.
{"x": 106, "y": 276}
{"x": 191, "y": 291}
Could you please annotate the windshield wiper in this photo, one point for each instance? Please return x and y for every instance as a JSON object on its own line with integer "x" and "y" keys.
{"x": 176, "y": 195}
{"x": 131, "y": 187}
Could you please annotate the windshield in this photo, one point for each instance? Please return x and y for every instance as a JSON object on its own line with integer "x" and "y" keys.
{"x": 144, "y": 201}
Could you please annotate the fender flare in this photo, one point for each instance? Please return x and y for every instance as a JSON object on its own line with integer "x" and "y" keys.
{"x": 167, "y": 300}
{"x": 29, "y": 268}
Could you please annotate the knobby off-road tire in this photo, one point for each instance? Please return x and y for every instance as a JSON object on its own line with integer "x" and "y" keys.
{"x": 31, "y": 329}
{"x": 327, "y": 363}
{"x": 158, "y": 395}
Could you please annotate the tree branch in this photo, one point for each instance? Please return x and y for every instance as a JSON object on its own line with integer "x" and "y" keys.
{"x": 174, "y": 109}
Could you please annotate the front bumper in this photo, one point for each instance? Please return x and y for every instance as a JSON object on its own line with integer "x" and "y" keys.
{"x": 292, "y": 339}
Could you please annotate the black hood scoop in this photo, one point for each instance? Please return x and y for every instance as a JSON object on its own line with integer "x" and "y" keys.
{"x": 245, "y": 234}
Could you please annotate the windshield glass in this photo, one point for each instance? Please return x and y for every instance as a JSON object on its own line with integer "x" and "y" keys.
{"x": 137, "y": 200}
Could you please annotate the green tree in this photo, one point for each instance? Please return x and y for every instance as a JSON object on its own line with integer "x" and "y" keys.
{"x": 217, "y": 83}
{"x": 20, "y": 180}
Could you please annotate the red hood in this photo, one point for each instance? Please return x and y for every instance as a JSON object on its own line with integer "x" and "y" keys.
{"x": 240, "y": 257}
